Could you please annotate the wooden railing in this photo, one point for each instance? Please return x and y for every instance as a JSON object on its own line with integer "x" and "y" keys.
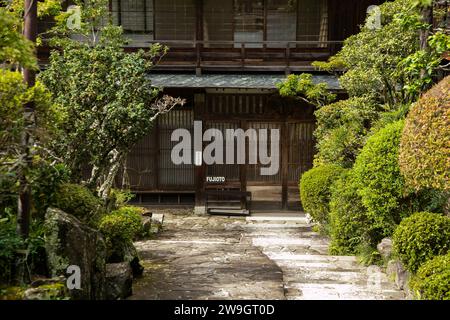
{"x": 201, "y": 55}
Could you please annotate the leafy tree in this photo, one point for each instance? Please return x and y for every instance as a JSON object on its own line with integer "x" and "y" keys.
{"x": 107, "y": 100}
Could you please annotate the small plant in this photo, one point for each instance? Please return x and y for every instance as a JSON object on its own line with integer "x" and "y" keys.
{"x": 120, "y": 227}
{"x": 421, "y": 237}
{"x": 432, "y": 280}
{"x": 315, "y": 191}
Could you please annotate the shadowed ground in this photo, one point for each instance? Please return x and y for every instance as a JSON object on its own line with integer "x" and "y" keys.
{"x": 266, "y": 256}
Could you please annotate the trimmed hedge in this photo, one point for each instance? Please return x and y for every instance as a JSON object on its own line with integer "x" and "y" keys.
{"x": 432, "y": 281}
{"x": 79, "y": 201}
{"x": 315, "y": 191}
{"x": 424, "y": 150}
{"x": 348, "y": 221}
{"x": 380, "y": 184}
{"x": 421, "y": 237}
{"x": 123, "y": 224}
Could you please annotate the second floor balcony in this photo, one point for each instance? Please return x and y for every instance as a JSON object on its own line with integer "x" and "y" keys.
{"x": 239, "y": 35}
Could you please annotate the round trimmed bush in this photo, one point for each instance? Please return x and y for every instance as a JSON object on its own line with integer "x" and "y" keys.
{"x": 421, "y": 237}
{"x": 348, "y": 221}
{"x": 432, "y": 281}
{"x": 424, "y": 150}
{"x": 79, "y": 201}
{"x": 380, "y": 183}
{"x": 315, "y": 191}
{"x": 123, "y": 224}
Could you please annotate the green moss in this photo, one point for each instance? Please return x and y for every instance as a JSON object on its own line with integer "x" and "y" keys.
{"x": 79, "y": 201}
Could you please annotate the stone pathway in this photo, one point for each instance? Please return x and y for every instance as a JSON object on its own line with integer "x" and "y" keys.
{"x": 258, "y": 257}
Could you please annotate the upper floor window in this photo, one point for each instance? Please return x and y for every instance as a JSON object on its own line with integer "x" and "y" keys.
{"x": 225, "y": 23}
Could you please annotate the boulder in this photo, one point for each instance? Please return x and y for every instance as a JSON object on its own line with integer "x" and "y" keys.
{"x": 396, "y": 272}
{"x": 146, "y": 226}
{"x": 50, "y": 291}
{"x": 157, "y": 220}
{"x": 119, "y": 280}
{"x": 385, "y": 248}
{"x": 70, "y": 242}
{"x": 126, "y": 252}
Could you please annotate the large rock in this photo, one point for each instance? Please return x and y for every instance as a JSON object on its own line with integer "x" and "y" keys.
{"x": 385, "y": 248}
{"x": 70, "y": 242}
{"x": 126, "y": 252}
{"x": 396, "y": 272}
{"x": 119, "y": 280}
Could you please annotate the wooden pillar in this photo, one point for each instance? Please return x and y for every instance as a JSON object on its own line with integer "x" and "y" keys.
{"x": 243, "y": 167}
{"x": 198, "y": 36}
{"x": 199, "y": 171}
{"x": 284, "y": 163}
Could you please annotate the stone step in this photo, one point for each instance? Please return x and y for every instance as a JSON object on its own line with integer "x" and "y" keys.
{"x": 269, "y": 226}
{"x": 288, "y": 241}
{"x": 336, "y": 291}
{"x": 298, "y": 219}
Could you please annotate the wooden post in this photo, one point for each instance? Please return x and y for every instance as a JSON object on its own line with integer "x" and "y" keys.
{"x": 199, "y": 171}
{"x": 29, "y": 76}
{"x": 243, "y": 167}
{"x": 284, "y": 163}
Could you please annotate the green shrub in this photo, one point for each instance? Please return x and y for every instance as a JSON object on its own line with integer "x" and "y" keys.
{"x": 380, "y": 184}
{"x": 421, "y": 237}
{"x": 79, "y": 201}
{"x": 341, "y": 130}
{"x": 315, "y": 191}
{"x": 432, "y": 281}
{"x": 46, "y": 179}
{"x": 424, "y": 150}
{"x": 348, "y": 220}
{"x": 121, "y": 225}
{"x": 9, "y": 243}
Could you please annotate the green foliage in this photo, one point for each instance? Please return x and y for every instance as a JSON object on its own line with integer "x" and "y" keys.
{"x": 315, "y": 191}
{"x": 10, "y": 242}
{"x": 380, "y": 183}
{"x": 79, "y": 201}
{"x": 348, "y": 221}
{"x": 46, "y": 179}
{"x": 424, "y": 150}
{"x": 123, "y": 224}
{"x": 303, "y": 87}
{"x": 120, "y": 227}
{"x": 32, "y": 249}
{"x": 105, "y": 95}
{"x": 120, "y": 197}
{"x": 14, "y": 48}
{"x": 420, "y": 237}
{"x": 342, "y": 128}
{"x": 432, "y": 280}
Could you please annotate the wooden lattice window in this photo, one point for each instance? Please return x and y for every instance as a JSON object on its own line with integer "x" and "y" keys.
{"x": 175, "y": 19}
{"x": 133, "y": 15}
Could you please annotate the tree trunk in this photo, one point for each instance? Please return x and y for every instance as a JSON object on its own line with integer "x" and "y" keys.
{"x": 112, "y": 172}
{"x": 427, "y": 17}
{"x": 24, "y": 205}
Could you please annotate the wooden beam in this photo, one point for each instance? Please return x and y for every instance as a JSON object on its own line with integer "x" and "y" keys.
{"x": 199, "y": 171}
{"x": 284, "y": 164}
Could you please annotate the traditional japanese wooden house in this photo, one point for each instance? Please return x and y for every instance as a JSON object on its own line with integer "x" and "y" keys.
{"x": 225, "y": 59}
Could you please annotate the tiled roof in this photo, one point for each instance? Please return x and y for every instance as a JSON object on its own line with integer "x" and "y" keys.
{"x": 254, "y": 81}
